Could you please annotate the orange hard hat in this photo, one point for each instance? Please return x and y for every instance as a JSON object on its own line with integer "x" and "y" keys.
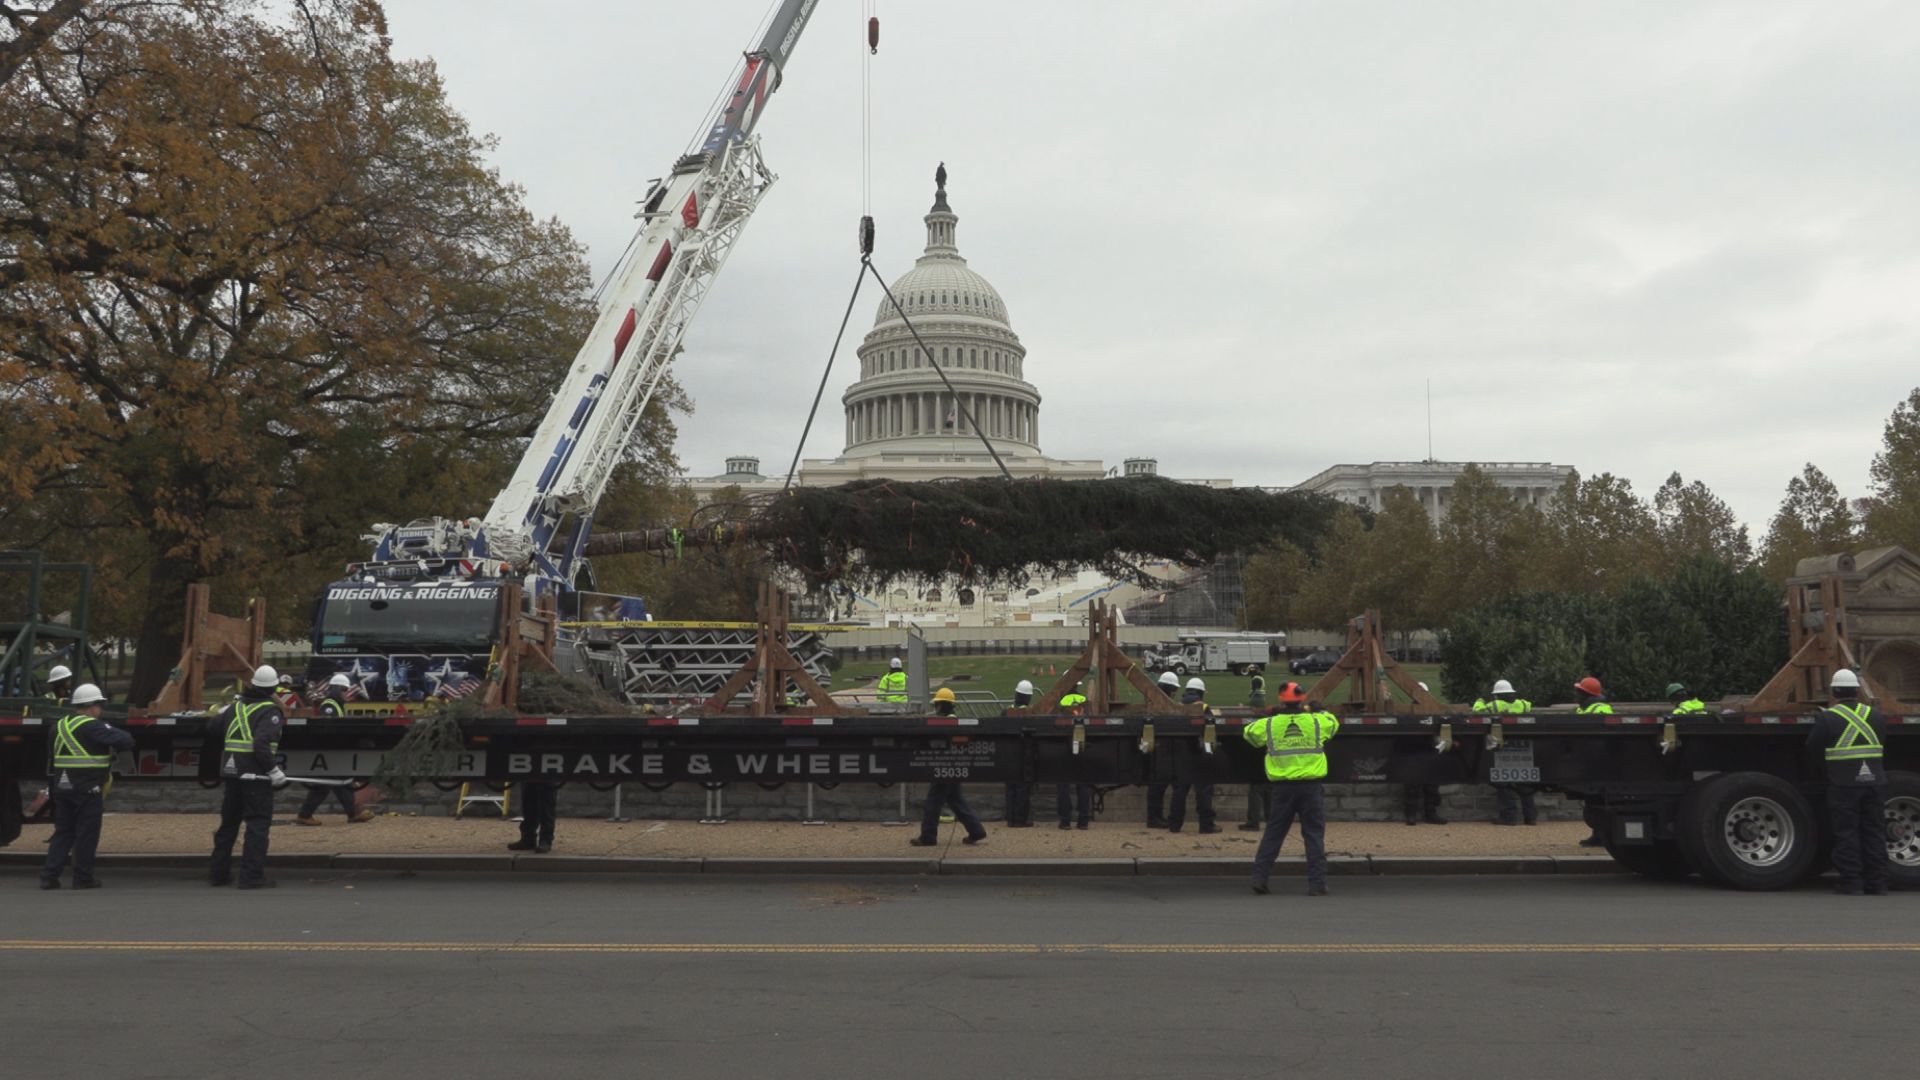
{"x": 1590, "y": 685}
{"x": 1291, "y": 692}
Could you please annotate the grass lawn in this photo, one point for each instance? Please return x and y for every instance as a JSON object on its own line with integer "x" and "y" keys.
{"x": 998, "y": 674}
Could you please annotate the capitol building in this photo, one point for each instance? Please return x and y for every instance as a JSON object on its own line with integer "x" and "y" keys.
{"x": 903, "y": 422}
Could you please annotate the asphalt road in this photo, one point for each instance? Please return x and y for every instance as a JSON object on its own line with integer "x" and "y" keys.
{"x": 353, "y": 975}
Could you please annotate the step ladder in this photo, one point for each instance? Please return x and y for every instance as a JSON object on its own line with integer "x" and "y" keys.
{"x": 501, "y": 800}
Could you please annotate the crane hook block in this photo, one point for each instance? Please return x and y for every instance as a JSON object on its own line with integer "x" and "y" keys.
{"x": 873, "y": 34}
{"x": 866, "y": 235}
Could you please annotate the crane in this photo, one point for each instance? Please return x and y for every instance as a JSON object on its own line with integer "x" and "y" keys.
{"x": 689, "y": 223}
{"x": 419, "y": 618}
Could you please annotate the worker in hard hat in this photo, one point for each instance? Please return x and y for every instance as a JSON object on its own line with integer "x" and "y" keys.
{"x": 1515, "y": 800}
{"x": 1850, "y": 739}
{"x": 945, "y": 794}
{"x": 250, "y": 769}
{"x": 1169, "y": 684}
{"x": 1592, "y": 702}
{"x": 1070, "y": 797}
{"x": 1293, "y": 741}
{"x": 893, "y": 685}
{"x": 59, "y": 684}
{"x": 1421, "y": 802}
{"x": 334, "y": 704}
{"x": 1259, "y": 791}
{"x": 1196, "y": 694}
{"x": 1019, "y": 795}
{"x": 1684, "y": 703}
{"x": 83, "y": 750}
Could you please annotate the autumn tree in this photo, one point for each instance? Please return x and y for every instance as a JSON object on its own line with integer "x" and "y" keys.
{"x": 1598, "y": 535}
{"x": 1692, "y": 520}
{"x": 1271, "y": 579}
{"x": 1894, "y": 515}
{"x": 1484, "y": 547}
{"x": 258, "y": 289}
{"x": 1812, "y": 520}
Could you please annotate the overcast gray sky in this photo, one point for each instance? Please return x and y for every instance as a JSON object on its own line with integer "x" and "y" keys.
{"x": 1239, "y": 236}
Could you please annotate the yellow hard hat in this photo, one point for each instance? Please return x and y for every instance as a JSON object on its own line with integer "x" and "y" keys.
{"x": 943, "y": 694}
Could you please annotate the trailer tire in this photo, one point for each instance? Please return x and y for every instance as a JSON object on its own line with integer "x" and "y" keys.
{"x": 1748, "y": 831}
{"x": 1903, "y": 829}
{"x": 1658, "y": 861}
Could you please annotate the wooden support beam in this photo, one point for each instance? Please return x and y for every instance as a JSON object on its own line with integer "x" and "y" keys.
{"x": 212, "y": 644}
{"x": 1369, "y": 670}
{"x": 773, "y": 667}
{"x": 1107, "y": 665}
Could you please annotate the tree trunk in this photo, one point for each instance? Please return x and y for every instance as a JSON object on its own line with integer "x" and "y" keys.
{"x": 162, "y": 623}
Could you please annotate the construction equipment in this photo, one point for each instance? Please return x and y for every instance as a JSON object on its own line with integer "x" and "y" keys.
{"x": 25, "y": 629}
{"x": 416, "y": 620}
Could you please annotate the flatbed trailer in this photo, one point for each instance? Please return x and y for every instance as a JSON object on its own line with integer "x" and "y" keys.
{"x": 1732, "y": 797}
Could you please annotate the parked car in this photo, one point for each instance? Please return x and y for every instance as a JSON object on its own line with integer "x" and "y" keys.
{"x": 1314, "y": 663}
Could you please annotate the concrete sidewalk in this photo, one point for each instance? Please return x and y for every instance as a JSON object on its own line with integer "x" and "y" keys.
{"x": 478, "y": 844}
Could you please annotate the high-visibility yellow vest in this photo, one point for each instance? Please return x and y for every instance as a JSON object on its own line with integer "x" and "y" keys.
{"x": 69, "y": 752}
{"x": 1072, "y": 701}
{"x": 1690, "y": 707}
{"x": 240, "y": 728}
{"x": 1858, "y": 742}
{"x": 1295, "y": 743}
{"x": 330, "y": 707}
{"x": 893, "y": 686}
{"x": 1595, "y": 708}
{"x": 1497, "y": 707}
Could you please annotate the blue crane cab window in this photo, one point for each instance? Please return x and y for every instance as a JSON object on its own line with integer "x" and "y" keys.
{"x": 383, "y": 617}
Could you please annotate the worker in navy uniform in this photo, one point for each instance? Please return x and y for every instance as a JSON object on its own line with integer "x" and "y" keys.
{"x": 1593, "y": 702}
{"x": 942, "y": 794}
{"x": 1071, "y": 797}
{"x": 539, "y": 807}
{"x": 250, "y": 769}
{"x": 1157, "y": 792}
{"x": 1258, "y": 792}
{"x": 333, "y": 705}
{"x": 1851, "y": 741}
{"x": 83, "y": 749}
{"x": 1020, "y": 794}
{"x": 1421, "y": 801}
{"x": 1196, "y": 694}
{"x": 1293, "y": 741}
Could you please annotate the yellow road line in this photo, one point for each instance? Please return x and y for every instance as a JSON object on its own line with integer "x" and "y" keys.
{"x": 913, "y": 949}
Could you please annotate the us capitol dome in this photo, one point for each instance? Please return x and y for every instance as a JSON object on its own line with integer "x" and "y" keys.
{"x": 902, "y": 420}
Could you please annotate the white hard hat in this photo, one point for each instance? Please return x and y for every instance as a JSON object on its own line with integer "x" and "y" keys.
{"x": 1844, "y": 679}
{"x": 1168, "y": 678}
{"x": 1023, "y": 687}
{"x": 87, "y": 694}
{"x": 894, "y": 663}
{"x": 1196, "y": 684}
{"x": 265, "y": 676}
{"x": 1425, "y": 687}
{"x": 58, "y": 672}
{"x": 339, "y": 680}
{"x": 1503, "y": 687}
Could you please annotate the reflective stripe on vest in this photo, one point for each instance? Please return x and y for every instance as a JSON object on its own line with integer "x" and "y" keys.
{"x": 1858, "y": 742}
{"x": 1690, "y": 707}
{"x": 240, "y": 728}
{"x": 69, "y": 752}
{"x": 1595, "y": 708}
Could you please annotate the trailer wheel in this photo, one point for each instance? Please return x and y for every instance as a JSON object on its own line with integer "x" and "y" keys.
{"x": 1903, "y": 829}
{"x": 1748, "y": 831}
{"x": 1660, "y": 860}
